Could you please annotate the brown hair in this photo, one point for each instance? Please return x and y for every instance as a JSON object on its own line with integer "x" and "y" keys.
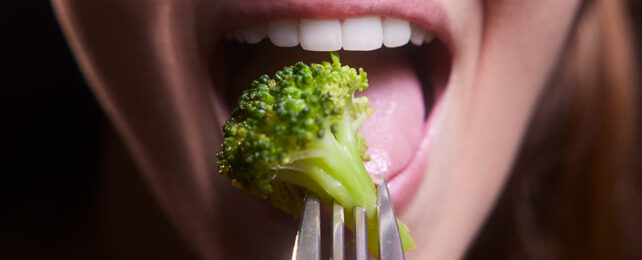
{"x": 575, "y": 191}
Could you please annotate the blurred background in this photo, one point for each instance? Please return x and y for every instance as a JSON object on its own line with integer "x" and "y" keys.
{"x": 53, "y": 201}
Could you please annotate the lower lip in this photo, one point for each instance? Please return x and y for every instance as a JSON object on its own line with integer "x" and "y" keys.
{"x": 404, "y": 185}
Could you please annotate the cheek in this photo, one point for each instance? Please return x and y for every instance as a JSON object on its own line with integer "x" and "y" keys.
{"x": 521, "y": 44}
{"x": 498, "y": 73}
{"x": 526, "y": 35}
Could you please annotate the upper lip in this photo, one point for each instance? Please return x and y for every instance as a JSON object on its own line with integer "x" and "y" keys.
{"x": 234, "y": 14}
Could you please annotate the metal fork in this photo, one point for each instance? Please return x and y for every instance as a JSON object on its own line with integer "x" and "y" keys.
{"x": 308, "y": 238}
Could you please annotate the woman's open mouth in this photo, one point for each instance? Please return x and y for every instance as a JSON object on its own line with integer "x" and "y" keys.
{"x": 407, "y": 58}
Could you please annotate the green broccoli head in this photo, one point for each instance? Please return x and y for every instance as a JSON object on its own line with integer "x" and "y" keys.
{"x": 301, "y": 129}
{"x": 284, "y": 120}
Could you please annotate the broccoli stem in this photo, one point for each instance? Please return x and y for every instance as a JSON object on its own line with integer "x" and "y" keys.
{"x": 332, "y": 168}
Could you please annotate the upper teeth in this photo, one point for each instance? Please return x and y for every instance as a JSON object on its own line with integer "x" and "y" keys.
{"x": 355, "y": 34}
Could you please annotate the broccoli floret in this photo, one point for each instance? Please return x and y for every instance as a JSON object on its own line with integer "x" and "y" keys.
{"x": 301, "y": 128}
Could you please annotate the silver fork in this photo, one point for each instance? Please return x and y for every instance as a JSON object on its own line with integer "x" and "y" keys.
{"x": 308, "y": 238}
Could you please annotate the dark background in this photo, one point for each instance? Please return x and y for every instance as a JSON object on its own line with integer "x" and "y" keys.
{"x": 51, "y": 132}
{"x": 49, "y": 135}
{"x": 54, "y": 203}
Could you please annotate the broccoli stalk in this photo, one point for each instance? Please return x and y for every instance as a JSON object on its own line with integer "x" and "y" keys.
{"x": 301, "y": 129}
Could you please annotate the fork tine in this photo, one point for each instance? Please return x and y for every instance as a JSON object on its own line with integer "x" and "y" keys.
{"x": 308, "y": 238}
{"x": 360, "y": 234}
{"x": 337, "y": 232}
{"x": 390, "y": 246}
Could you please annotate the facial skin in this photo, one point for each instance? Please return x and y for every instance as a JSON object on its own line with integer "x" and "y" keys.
{"x": 149, "y": 64}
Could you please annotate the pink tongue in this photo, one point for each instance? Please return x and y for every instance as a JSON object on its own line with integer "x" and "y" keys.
{"x": 394, "y": 130}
